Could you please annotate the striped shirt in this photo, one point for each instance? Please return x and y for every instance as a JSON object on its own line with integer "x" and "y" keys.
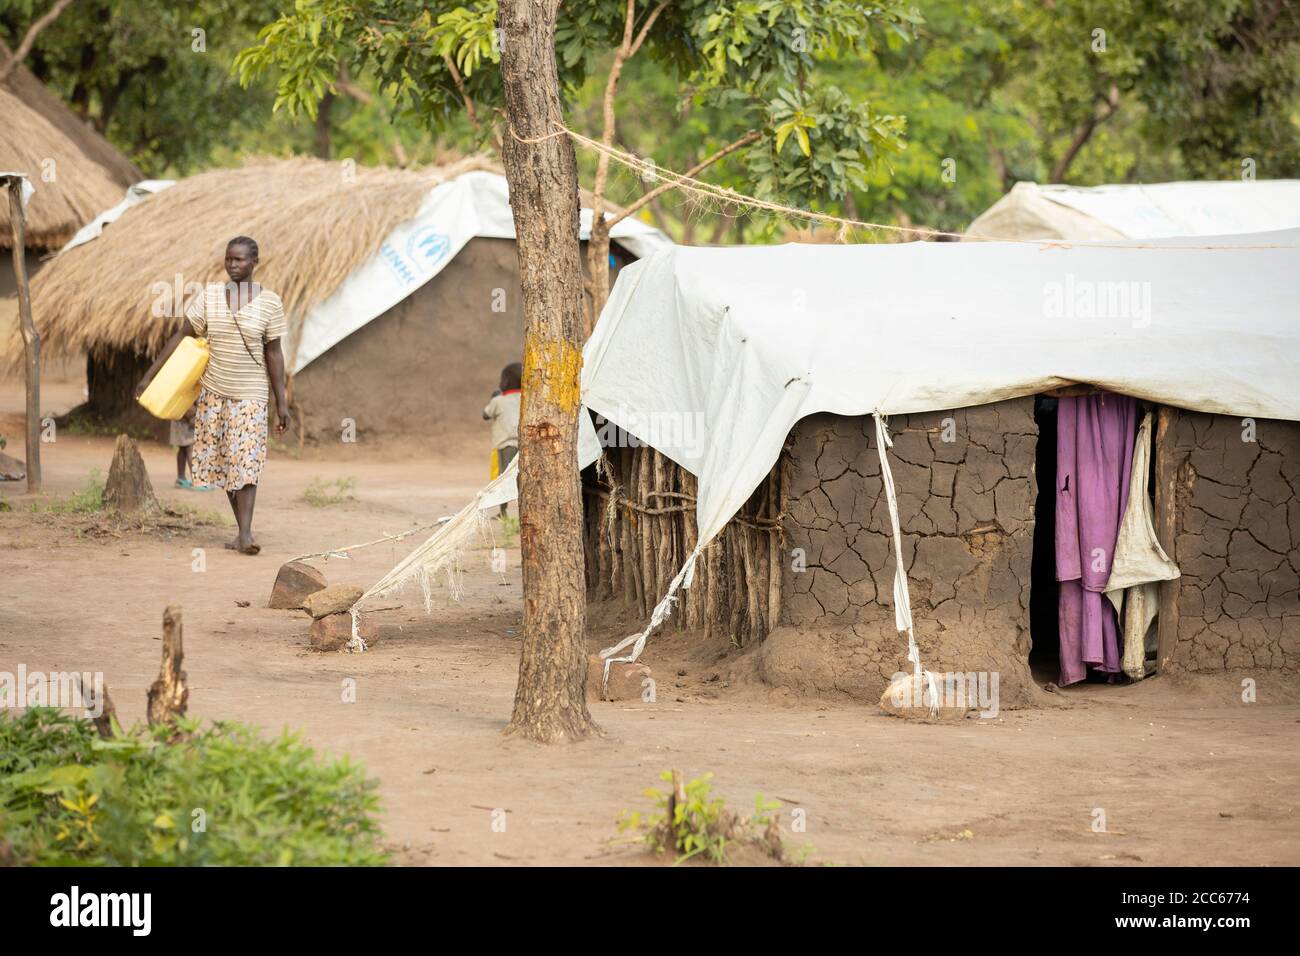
{"x": 237, "y": 366}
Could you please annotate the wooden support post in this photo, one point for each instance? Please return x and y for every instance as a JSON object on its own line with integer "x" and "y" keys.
{"x": 1166, "y": 522}
{"x": 31, "y": 338}
{"x": 169, "y": 695}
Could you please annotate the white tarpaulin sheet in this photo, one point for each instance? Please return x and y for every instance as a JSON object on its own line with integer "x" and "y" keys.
{"x": 134, "y": 196}
{"x": 712, "y": 354}
{"x": 1187, "y": 209}
{"x": 474, "y": 205}
{"x": 25, "y": 191}
{"x": 1142, "y": 212}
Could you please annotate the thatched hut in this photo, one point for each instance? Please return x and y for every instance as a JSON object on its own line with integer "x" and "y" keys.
{"x": 75, "y": 170}
{"x": 401, "y": 287}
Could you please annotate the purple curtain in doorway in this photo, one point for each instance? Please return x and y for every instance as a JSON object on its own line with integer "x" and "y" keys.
{"x": 1094, "y": 459}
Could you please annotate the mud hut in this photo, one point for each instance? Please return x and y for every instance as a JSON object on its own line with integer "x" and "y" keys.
{"x": 750, "y": 378}
{"x": 401, "y": 287}
{"x": 75, "y": 170}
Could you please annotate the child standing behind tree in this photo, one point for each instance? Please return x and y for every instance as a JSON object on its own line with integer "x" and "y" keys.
{"x": 503, "y": 412}
{"x": 182, "y": 436}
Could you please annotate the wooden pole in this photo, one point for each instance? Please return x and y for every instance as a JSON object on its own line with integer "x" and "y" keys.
{"x": 1166, "y": 522}
{"x": 31, "y": 338}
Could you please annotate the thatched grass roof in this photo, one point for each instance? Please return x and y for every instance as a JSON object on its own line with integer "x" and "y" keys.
{"x": 314, "y": 222}
{"x": 89, "y": 175}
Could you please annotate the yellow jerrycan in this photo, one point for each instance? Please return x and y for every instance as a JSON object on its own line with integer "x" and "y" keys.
{"x": 176, "y": 386}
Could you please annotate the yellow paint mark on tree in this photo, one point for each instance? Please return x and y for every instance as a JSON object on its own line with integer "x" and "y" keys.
{"x": 552, "y": 371}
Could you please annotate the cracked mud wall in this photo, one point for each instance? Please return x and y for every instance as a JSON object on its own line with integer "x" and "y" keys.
{"x": 1238, "y": 543}
{"x": 966, "y": 513}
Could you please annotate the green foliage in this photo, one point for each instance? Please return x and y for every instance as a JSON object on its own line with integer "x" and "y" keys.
{"x": 993, "y": 91}
{"x": 701, "y": 825}
{"x": 753, "y": 65}
{"x": 323, "y": 494}
{"x": 166, "y": 96}
{"x": 509, "y": 529}
{"x": 1206, "y": 83}
{"x": 86, "y": 501}
{"x": 69, "y": 798}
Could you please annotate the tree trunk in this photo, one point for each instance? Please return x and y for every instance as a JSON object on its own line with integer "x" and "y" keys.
{"x": 542, "y": 170}
{"x": 598, "y": 272}
{"x": 324, "y": 125}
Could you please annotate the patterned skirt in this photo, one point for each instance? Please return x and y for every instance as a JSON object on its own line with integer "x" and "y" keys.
{"x": 229, "y": 441}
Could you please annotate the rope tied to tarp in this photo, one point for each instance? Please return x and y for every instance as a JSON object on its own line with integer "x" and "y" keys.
{"x": 902, "y": 597}
{"x": 440, "y": 552}
{"x": 663, "y": 610}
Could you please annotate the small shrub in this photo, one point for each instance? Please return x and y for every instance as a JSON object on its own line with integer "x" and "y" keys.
{"x": 220, "y": 796}
{"x": 86, "y": 501}
{"x": 701, "y": 825}
{"x": 322, "y": 494}
{"x": 509, "y": 530}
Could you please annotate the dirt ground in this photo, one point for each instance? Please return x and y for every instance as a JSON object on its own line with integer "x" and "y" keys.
{"x": 1184, "y": 771}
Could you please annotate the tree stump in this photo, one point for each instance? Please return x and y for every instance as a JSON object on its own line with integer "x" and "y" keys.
{"x": 169, "y": 695}
{"x": 128, "y": 488}
{"x": 107, "y": 711}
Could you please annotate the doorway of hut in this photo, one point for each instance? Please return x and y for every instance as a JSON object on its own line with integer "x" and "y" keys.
{"x": 1044, "y": 590}
{"x": 1044, "y": 624}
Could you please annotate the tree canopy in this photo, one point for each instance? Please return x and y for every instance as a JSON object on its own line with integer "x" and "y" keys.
{"x": 922, "y": 115}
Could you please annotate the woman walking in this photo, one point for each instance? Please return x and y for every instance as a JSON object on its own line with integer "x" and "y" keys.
{"x": 243, "y": 324}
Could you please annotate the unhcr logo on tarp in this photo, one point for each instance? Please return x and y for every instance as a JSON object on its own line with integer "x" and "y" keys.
{"x": 427, "y": 248}
{"x": 1077, "y": 298}
{"x": 424, "y": 250}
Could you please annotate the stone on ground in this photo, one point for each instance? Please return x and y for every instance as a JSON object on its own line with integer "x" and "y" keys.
{"x": 11, "y": 469}
{"x": 332, "y": 632}
{"x": 626, "y": 681}
{"x": 295, "y": 582}
{"x": 909, "y": 697}
{"x": 334, "y": 599}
